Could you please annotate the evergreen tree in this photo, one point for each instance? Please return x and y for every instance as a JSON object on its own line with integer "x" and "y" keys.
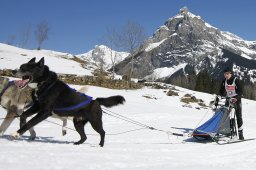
{"x": 203, "y": 82}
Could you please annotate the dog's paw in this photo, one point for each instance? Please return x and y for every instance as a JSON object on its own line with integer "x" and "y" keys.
{"x": 77, "y": 143}
{"x": 32, "y": 138}
{"x": 15, "y": 135}
{"x": 64, "y": 132}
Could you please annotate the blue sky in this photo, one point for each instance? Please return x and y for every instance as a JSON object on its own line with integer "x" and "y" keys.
{"x": 76, "y": 26}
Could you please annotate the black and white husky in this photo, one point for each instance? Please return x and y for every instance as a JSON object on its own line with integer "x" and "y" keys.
{"x": 51, "y": 95}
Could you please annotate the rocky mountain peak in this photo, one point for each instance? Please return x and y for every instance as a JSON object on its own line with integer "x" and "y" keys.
{"x": 187, "y": 41}
{"x": 184, "y": 10}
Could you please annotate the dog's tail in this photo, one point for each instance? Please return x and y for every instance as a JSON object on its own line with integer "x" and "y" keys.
{"x": 111, "y": 101}
{"x": 84, "y": 89}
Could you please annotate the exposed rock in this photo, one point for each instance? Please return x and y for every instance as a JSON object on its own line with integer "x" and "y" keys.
{"x": 186, "y": 42}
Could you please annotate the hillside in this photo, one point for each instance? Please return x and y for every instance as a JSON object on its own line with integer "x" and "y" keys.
{"x": 12, "y": 57}
{"x": 63, "y": 63}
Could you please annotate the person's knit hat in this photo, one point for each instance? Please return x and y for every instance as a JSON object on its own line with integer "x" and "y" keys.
{"x": 228, "y": 69}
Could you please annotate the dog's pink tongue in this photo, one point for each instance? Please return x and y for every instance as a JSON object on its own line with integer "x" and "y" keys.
{"x": 20, "y": 83}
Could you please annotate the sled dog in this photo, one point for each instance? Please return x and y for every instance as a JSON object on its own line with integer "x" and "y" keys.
{"x": 51, "y": 95}
{"x": 15, "y": 100}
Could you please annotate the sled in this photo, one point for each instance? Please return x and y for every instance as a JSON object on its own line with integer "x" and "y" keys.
{"x": 221, "y": 127}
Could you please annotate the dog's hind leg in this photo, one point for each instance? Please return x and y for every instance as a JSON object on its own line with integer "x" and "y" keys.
{"x": 32, "y": 134}
{"x": 96, "y": 123}
{"x": 97, "y": 126}
{"x": 64, "y": 129}
{"x": 79, "y": 125}
{"x": 10, "y": 116}
{"x": 64, "y": 123}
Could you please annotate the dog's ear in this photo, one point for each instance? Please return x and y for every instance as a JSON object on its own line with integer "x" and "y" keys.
{"x": 33, "y": 60}
{"x": 41, "y": 62}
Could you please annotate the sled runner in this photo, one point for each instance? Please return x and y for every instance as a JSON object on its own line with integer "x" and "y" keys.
{"x": 221, "y": 127}
{"x": 233, "y": 141}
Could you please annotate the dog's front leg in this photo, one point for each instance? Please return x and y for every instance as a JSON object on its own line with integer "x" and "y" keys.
{"x": 64, "y": 126}
{"x": 42, "y": 115}
{"x": 12, "y": 112}
{"x": 32, "y": 110}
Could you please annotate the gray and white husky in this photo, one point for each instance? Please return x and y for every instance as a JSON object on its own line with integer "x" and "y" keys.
{"x": 15, "y": 100}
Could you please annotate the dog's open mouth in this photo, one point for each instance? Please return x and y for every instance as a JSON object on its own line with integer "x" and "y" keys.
{"x": 23, "y": 82}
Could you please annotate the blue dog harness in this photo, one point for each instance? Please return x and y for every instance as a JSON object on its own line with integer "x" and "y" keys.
{"x": 73, "y": 107}
{"x": 77, "y": 106}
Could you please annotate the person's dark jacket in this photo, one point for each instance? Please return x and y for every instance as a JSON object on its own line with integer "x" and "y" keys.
{"x": 222, "y": 91}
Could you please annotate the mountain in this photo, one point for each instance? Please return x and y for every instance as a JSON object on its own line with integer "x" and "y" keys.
{"x": 186, "y": 44}
{"x": 102, "y": 56}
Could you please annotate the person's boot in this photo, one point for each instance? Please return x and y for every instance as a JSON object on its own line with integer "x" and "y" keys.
{"x": 240, "y": 135}
{"x": 232, "y": 127}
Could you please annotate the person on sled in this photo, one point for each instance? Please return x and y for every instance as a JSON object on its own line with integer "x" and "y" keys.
{"x": 231, "y": 87}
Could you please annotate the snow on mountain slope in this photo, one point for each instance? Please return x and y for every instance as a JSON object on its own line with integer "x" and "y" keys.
{"x": 102, "y": 54}
{"x": 154, "y": 45}
{"x": 12, "y": 57}
{"x": 164, "y": 72}
{"x": 135, "y": 150}
{"x": 239, "y": 44}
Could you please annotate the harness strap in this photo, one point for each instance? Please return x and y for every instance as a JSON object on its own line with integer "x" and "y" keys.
{"x": 75, "y": 106}
{"x": 70, "y": 108}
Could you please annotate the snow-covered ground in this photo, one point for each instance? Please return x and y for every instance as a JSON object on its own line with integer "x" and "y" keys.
{"x": 127, "y": 146}
{"x": 12, "y": 57}
{"x": 137, "y": 150}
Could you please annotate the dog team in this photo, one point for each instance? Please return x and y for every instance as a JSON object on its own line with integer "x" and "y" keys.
{"x": 39, "y": 92}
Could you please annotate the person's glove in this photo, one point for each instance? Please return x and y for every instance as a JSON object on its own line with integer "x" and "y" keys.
{"x": 233, "y": 100}
{"x": 216, "y": 101}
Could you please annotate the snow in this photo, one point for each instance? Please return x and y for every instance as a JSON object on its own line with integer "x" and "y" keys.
{"x": 180, "y": 16}
{"x": 163, "y": 27}
{"x": 246, "y": 56}
{"x": 164, "y": 72}
{"x": 245, "y": 50}
{"x": 12, "y": 57}
{"x": 174, "y": 34}
{"x": 231, "y": 36}
{"x": 154, "y": 45}
{"x": 210, "y": 26}
{"x": 140, "y": 149}
{"x": 102, "y": 53}
{"x": 193, "y": 15}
